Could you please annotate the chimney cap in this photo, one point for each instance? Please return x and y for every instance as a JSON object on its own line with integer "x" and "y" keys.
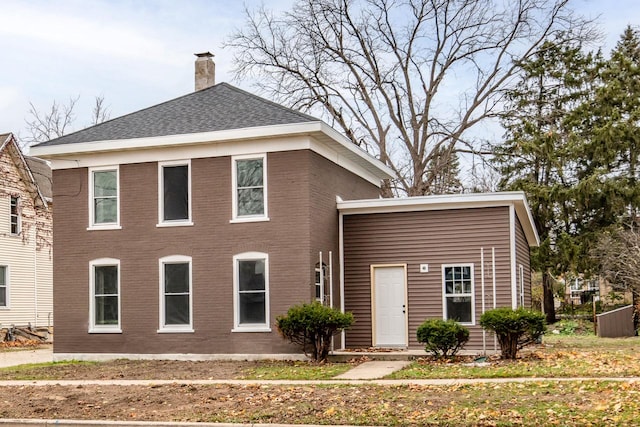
{"x": 204, "y": 55}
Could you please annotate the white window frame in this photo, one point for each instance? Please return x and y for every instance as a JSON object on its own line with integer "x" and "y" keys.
{"x": 103, "y": 329}
{"x": 7, "y": 277}
{"x": 472, "y": 294}
{"x": 250, "y": 327}
{"x": 18, "y": 216}
{"x": 187, "y": 328}
{"x": 178, "y": 222}
{"x": 234, "y": 184}
{"x": 109, "y": 225}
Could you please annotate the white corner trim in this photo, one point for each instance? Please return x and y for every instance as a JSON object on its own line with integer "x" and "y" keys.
{"x": 512, "y": 257}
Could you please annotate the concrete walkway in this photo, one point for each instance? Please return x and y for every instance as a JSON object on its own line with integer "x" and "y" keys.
{"x": 373, "y": 370}
{"x": 21, "y": 357}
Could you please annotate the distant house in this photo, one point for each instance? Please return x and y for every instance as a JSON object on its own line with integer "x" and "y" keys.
{"x": 26, "y": 239}
{"x": 187, "y": 227}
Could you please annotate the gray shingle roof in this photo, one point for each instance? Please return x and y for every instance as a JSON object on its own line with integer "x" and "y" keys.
{"x": 220, "y": 107}
{"x": 42, "y": 174}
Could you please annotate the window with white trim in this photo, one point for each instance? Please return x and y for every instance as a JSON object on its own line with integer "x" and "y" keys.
{"x": 249, "y": 175}
{"x": 4, "y": 286}
{"x": 104, "y": 309}
{"x": 175, "y": 294}
{"x": 458, "y": 293}
{"x": 15, "y": 223}
{"x": 251, "y": 291}
{"x": 104, "y": 200}
{"x": 174, "y": 193}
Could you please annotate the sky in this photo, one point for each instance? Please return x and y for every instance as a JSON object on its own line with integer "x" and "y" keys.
{"x": 139, "y": 53}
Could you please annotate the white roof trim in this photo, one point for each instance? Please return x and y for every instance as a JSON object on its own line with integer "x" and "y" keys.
{"x": 308, "y": 128}
{"x": 517, "y": 199}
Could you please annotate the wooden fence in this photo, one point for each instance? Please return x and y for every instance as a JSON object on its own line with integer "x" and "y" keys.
{"x": 616, "y": 323}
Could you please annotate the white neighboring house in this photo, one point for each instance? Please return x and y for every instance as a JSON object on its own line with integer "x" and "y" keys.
{"x": 26, "y": 237}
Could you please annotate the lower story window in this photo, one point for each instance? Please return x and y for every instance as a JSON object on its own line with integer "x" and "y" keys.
{"x": 458, "y": 293}
{"x": 105, "y": 295}
{"x": 251, "y": 283}
{"x": 175, "y": 293}
{"x": 4, "y": 281}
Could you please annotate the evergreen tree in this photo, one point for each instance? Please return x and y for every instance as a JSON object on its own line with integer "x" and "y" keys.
{"x": 538, "y": 156}
{"x": 608, "y": 128}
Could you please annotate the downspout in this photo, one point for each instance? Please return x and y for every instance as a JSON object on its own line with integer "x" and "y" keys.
{"x": 35, "y": 284}
{"x": 343, "y": 337}
{"x": 493, "y": 274}
{"x": 484, "y": 332}
{"x": 512, "y": 256}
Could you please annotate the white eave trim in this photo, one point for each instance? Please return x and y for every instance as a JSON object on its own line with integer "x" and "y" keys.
{"x": 517, "y": 199}
{"x": 317, "y": 128}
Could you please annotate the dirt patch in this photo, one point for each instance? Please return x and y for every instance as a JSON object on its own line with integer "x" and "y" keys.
{"x": 133, "y": 370}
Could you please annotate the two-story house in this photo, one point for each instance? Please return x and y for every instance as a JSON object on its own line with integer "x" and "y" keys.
{"x": 187, "y": 227}
{"x": 26, "y": 241}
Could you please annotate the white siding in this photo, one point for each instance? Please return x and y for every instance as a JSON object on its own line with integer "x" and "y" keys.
{"x": 28, "y": 255}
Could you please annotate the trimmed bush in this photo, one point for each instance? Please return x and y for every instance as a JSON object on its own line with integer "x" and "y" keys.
{"x": 514, "y": 328}
{"x": 442, "y": 338}
{"x": 312, "y": 326}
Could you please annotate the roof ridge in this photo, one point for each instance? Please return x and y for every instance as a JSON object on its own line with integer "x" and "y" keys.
{"x": 268, "y": 101}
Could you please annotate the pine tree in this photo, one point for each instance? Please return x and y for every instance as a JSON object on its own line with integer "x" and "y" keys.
{"x": 538, "y": 157}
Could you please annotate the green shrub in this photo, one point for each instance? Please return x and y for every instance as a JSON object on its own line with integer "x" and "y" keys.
{"x": 514, "y": 328}
{"x": 442, "y": 338}
{"x": 312, "y": 326}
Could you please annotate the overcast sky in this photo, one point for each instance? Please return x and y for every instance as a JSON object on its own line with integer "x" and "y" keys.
{"x": 139, "y": 53}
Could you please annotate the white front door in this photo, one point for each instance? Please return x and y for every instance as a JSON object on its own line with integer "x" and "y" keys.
{"x": 389, "y": 306}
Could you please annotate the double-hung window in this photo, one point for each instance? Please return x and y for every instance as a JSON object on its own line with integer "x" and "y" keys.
{"x": 15, "y": 215}
{"x": 251, "y": 292}
{"x": 458, "y": 293}
{"x": 104, "y": 198}
{"x": 175, "y": 294}
{"x": 104, "y": 308}
{"x": 249, "y": 174}
{"x": 174, "y": 193}
{"x": 4, "y": 286}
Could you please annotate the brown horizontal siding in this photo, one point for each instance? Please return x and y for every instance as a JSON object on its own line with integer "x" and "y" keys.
{"x": 431, "y": 237}
{"x": 211, "y": 243}
{"x": 523, "y": 258}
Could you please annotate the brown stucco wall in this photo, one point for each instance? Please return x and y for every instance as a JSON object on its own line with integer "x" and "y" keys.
{"x": 294, "y": 179}
{"x": 434, "y": 238}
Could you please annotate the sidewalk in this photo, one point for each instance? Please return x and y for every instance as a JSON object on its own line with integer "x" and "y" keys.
{"x": 21, "y": 357}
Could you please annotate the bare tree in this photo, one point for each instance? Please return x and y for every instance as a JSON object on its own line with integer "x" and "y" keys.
{"x": 618, "y": 255}
{"x": 100, "y": 112}
{"x": 404, "y": 79}
{"x": 58, "y": 119}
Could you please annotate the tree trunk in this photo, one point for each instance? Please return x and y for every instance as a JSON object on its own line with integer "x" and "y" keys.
{"x": 547, "y": 298}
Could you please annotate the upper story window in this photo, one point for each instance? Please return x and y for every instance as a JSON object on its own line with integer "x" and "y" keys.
{"x": 15, "y": 215}
{"x": 174, "y": 193}
{"x": 251, "y": 292}
{"x": 458, "y": 293}
{"x": 104, "y": 200}
{"x": 175, "y": 294}
{"x": 250, "y": 188}
{"x": 105, "y": 295}
{"x": 4, "y": 285}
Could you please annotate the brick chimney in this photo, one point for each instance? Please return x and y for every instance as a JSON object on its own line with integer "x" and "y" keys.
{"x": 205, "y": 71}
